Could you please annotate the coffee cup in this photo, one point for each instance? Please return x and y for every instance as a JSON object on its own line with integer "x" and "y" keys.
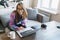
{"x": 11, "y": 34}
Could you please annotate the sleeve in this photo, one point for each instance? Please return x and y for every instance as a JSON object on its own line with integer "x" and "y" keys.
{"x": 11, "y": 24}
{"x": 24, "y": 22}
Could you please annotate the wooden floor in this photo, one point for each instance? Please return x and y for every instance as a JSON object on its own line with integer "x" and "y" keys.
{"x": 1, "y": 35}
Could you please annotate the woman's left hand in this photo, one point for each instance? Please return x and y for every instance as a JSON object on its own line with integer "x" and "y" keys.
{"x": 21, "y": 28}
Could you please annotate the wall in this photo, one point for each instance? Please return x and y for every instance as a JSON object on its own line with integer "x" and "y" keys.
{"x": 27, "y": 3}
{"x": 57, "y": 16}
{"x": 34, "y": 3}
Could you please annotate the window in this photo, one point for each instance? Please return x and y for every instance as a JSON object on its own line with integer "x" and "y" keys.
{"x": 48, "y": 4}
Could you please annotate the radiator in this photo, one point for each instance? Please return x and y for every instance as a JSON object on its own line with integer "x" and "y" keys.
{"x": 45, "y": 18}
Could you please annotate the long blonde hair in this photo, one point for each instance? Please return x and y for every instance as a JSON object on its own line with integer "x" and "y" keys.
{"x": 24, "y": 14}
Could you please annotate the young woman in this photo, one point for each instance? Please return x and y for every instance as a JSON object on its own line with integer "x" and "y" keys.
{"x": 18, "y": 18}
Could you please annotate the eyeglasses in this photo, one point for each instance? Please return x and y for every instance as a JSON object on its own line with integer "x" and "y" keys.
{"x": 20, "y": 9}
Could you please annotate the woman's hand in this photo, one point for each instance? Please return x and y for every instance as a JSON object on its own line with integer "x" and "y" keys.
{"x": 21, "y": 28}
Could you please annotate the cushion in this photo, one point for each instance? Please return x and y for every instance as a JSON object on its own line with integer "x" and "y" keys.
{"x": 5, "y": 19}
{"x": 5, "y": 15}
{"x": 4, "y": 11}
{"x": 32, "y": 13}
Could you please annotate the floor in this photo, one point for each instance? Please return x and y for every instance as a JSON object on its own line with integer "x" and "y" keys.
{"x": 1, "y": 35}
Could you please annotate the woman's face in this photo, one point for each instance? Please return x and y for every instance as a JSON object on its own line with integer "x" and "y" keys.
{"x": 20, "y": 9}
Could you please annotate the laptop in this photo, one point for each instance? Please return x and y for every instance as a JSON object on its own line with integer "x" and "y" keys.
{"x": 25, "y": 32}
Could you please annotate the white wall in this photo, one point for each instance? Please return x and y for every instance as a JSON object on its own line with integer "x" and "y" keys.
{"x": 27, "y": 3}
{"x": 34, "y": 3}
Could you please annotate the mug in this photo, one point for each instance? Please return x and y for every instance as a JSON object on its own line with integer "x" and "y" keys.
{"x": 43, "y": 26}
{"x": 11, "y": 34}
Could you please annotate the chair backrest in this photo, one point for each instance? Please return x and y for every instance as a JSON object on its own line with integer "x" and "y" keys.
{"x": 32, "y": 13}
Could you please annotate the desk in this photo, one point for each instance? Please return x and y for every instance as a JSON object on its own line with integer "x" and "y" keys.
{"x": 50, "y": 33}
